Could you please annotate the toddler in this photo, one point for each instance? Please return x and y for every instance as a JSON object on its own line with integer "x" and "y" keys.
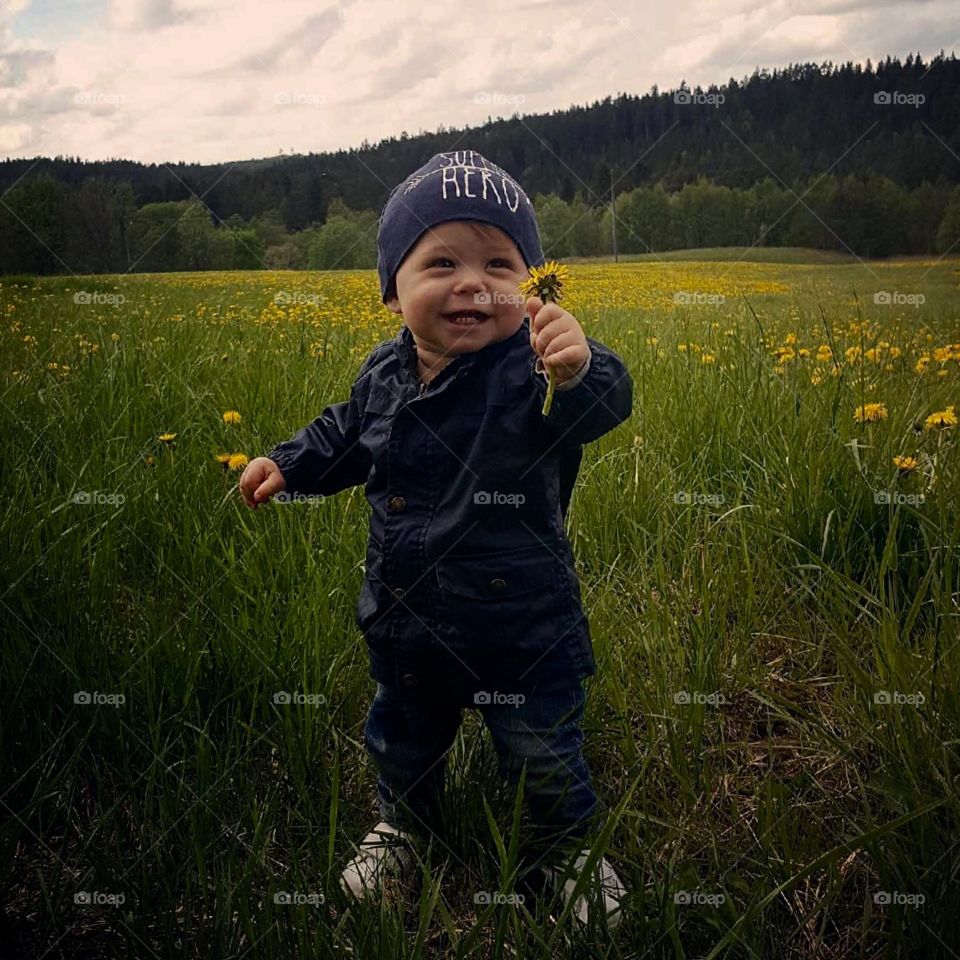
{"x": 470, "y": 597}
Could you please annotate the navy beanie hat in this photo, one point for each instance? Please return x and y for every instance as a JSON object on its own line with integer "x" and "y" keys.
{"x": 461, "y": 185}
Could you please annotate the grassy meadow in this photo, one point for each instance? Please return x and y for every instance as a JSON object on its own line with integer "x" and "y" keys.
{"x": 768, "y": 553}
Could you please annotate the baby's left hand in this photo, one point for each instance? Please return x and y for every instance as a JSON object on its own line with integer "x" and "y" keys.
{"x": 557, "y": 338}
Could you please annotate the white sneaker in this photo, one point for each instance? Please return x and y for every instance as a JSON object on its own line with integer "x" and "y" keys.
{"x": 384, "y": 851}
{"x": 610, "y": 888}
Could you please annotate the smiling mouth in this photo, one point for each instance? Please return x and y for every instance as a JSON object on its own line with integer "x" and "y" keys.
{"x": 466, "y": 318}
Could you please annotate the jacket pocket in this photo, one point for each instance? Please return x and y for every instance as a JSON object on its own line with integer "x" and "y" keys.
{"x": 495, "y": 576}
{"x": 510, "y": 602}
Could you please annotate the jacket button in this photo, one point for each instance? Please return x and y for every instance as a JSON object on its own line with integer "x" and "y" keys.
{"x": 498, "y": 584}
{"x": 409, "y": 680}
{"x": 399, "y": 593}
{"x": 396, "y": 504}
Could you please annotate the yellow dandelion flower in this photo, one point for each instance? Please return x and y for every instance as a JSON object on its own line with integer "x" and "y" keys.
{"x": 546, "y": 282}
{"x": 922, "y": 363}
{"x": 223, "y": 459}
{"x": 231, "y": 416}
{"x": 707, "y": 358}
{"x": 166, "y": 437}
{"x": 870, "y": 413}
{"x": 941, "y": 419}
{"x": 905, "y": 464}
{"x": 237, "y": 461}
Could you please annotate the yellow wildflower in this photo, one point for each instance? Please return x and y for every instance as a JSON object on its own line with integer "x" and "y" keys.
{"x": 231, "y": 416}
{"x": 905, "y": 464}
{"x": 870, "y": 413}
{"x": 237, "y": 461}
{"x": 941, "y": 419}
{"x": 166, "y": 437}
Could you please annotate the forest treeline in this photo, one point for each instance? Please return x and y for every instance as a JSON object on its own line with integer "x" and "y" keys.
{"x": 854, "y": 158}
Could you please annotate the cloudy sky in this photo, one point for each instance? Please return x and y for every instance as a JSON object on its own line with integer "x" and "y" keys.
{"x": 220, "y": 80}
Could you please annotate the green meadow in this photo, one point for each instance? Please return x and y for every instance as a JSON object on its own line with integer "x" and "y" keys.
{"x": 768, "y": 556}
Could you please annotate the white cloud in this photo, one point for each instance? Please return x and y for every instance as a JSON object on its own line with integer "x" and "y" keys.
{"x": 209, "y": 80}
{"x": 145, "y": 14}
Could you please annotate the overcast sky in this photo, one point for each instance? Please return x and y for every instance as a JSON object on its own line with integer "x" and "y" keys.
{"x": 220, "y": 80}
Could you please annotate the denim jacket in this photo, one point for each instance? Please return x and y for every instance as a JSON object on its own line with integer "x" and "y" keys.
{"x": 470, "y": 581}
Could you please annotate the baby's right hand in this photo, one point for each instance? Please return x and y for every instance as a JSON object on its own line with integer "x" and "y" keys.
{"x": 260, "y": 480}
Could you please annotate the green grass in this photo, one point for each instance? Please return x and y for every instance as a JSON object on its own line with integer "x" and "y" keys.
{"x": 795, "y": 599}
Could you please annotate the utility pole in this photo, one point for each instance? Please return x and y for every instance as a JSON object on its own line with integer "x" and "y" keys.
{"x": 613, "y": 218}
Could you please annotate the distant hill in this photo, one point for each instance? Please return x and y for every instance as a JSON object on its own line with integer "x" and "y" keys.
{"x": 798, "y": 121}
{"x": 897, "y": 122}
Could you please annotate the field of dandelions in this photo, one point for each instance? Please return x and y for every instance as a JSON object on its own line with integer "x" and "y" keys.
{"x": 768, "y": 552}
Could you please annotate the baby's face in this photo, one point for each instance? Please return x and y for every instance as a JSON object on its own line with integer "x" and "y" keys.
{"x": 453, "y": 268}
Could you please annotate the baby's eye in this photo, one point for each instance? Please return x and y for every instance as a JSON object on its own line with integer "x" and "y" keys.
{"x": 506, "y": 263}
{"x": 440, "y": 260}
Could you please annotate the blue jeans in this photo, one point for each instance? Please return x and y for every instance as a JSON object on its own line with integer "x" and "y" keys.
{"x": 409, "y": 736}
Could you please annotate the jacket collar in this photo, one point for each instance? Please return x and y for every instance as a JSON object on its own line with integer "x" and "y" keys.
{"x": 406, "y": 350}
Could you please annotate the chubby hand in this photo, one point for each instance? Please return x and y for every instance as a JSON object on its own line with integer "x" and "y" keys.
{"x": 260, "y": 480}
{"x": 557, "y": 338}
